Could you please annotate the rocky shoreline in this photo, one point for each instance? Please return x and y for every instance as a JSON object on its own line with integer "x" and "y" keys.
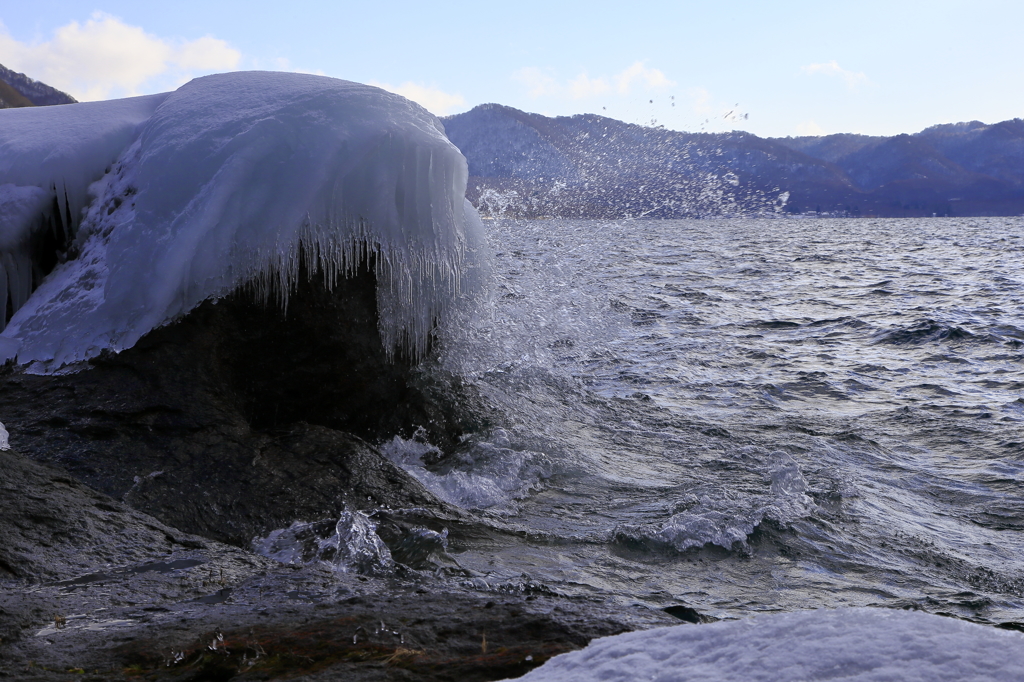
{"x": 93, "y": 589}
{"x": 242, "y": 417}
{"x": 135, "y": 487}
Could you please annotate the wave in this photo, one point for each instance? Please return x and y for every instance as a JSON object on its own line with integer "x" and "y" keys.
{"x": 489, "y": 475}
{"x": 727, "y": 520}
{"x": 368, "y": 543}
{"x": 349, "y": 544}
{"x": 929, "y": 331}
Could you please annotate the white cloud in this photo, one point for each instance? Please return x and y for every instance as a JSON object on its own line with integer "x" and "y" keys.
{"x": 433, "y": 100}
{"x": 652, "y": 79}
{"x": 584, "y": 86}
{"x": 207, "y": 53}
{"x": 105, "y": 57}
{"x": 702, "y": 102}
{"x": 809, "y": 128}
{"x": 540, "y": 82}
{"x": 854, "y": 79}
{"x": 282, "y": 64}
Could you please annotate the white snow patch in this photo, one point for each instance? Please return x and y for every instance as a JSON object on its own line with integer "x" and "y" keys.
{"x": 232, "y": 180}
{"x": 855, "y": 645}
{"x": 48, "y": 156}
{"x": 69, "y": 146}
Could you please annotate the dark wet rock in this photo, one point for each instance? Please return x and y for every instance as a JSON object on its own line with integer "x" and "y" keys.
{"x": 54, "y": 528}
{"x": 688, "y": 614}
{"x": 57, "y": 536}
{"x": 312, "y": 625}
{"x": 93, "y": 589}
{"x": 237, "y": 492}
{"x": 243, "y": 417}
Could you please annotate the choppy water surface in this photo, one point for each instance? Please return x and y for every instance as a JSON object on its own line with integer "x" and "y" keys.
{"x": 749, "y": 415}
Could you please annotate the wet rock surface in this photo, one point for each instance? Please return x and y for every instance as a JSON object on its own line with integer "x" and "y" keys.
{"x": 60, "y": 539}
{"x": 294, "y": 626}
{"x": 54, "y": 528}
{"x": 92, "y": 589}
{"x": 135, "y": 488}
{"x": 242, "y": 417}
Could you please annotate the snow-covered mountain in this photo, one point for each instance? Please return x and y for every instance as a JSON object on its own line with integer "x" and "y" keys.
{"x": 18, "y": 90}
{"x": 587, "y": 165}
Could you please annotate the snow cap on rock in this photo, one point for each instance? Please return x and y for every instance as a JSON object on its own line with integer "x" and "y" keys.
{"x": 237, "y": 179}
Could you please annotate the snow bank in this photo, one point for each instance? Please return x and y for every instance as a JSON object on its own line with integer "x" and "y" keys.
{"x": 236, "y": 179}
{"x": 860, "y": 644}
{"x": 48, "y": 158}
{"x": 69, "y": 146}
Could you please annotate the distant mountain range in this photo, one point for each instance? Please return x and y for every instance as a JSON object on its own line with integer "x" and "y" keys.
{"x": 531, "y": 165}
{"x": 18, "y": 90}
{"x": 524, "y": 164}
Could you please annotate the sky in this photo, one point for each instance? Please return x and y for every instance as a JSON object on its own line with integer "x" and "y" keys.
{"x": 775, "y": 69}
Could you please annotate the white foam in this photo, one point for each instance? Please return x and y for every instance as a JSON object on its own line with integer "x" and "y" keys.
{"x": 352, "y": 546}
{"x": 488, "y": 474}
{"x": 728, "y": 520}
{"x": 856, "y": 645}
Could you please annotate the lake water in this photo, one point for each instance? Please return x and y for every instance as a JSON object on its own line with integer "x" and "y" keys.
{"x": 746, "y": 415}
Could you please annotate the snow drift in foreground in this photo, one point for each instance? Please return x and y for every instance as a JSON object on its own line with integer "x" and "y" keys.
{"x": 231, "y": 180}
{"x": 858, "y": 644}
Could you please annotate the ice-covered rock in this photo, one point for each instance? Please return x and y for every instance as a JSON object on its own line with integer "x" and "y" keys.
{"x": 21, "y": 209}
{"x": 858, "y": 644}
{"x": 66, "y": 148}
{"x": 234, "y": 180}
{"x": 49, "y": 156}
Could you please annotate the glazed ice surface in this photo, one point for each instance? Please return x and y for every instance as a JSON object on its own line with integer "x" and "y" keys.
{"x": 231, "y": 180}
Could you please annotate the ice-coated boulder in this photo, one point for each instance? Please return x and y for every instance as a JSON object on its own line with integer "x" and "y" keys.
{"x": 233, "y": 180}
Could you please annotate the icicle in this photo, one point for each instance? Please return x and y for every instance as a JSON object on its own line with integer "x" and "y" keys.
{"x": 3, "y": 295}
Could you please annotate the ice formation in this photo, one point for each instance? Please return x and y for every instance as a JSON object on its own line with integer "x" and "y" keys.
{"x": 48, "y": 158}
{"x": 857, "y": 644}
{"x": 231, "y": 180}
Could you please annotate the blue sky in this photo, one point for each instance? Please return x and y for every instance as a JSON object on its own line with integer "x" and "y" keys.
{"x": 773, "y": 68}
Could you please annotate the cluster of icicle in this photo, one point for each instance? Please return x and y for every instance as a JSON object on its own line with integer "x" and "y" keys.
{"x": 241, "y": 180}
{"x": 24, "y": 211}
